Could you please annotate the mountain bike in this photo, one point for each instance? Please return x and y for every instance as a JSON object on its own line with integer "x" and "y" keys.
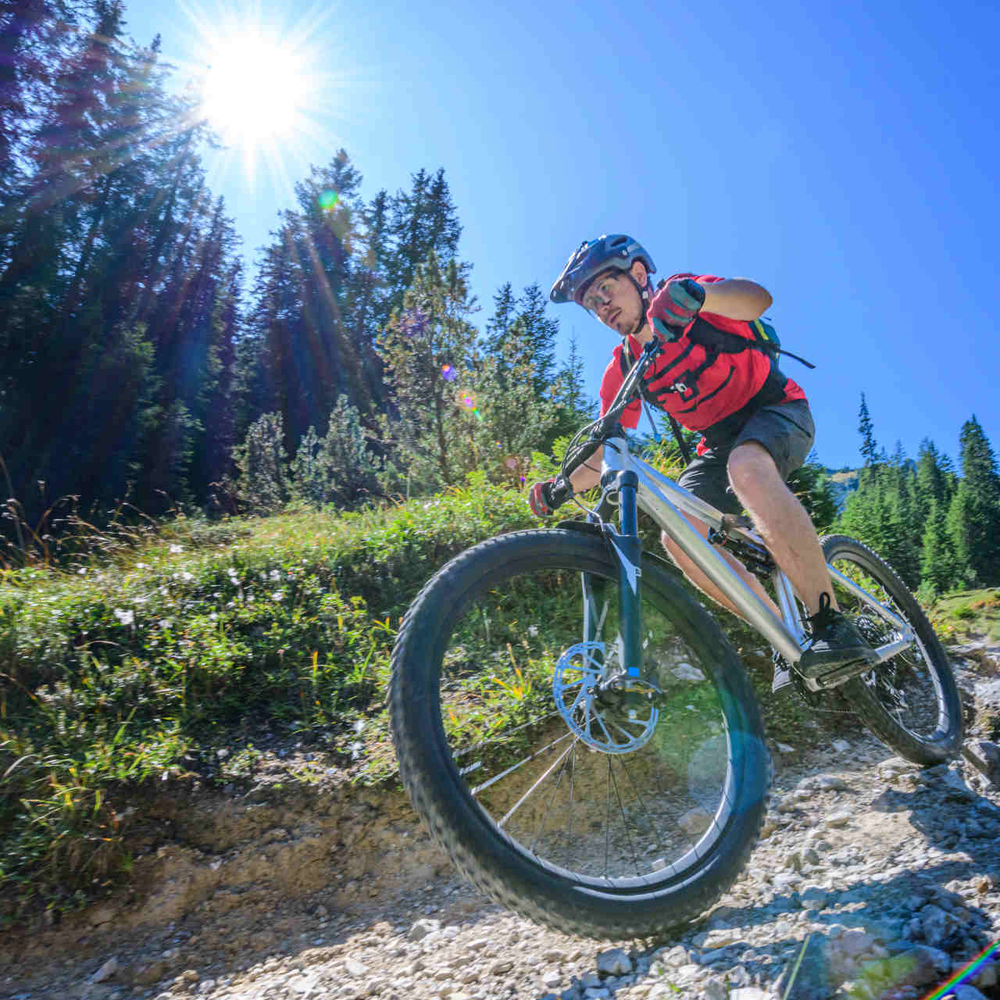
{"x": 579, "y": 733}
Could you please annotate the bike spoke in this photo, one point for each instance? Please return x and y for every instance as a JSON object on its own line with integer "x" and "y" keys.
{"x": 537, "y": 769}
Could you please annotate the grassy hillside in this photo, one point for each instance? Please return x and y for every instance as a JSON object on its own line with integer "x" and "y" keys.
{"x": 120, "y": 674}
{"x": 215, "y": 647}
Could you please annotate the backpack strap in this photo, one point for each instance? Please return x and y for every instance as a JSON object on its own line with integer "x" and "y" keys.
{"x": 626, "y": 361}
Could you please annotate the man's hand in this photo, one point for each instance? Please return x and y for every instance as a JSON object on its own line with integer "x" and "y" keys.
{"x": 540, "y": 499}
{"x": 675, "y": 305}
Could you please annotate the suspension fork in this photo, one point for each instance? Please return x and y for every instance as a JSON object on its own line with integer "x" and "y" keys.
{"x": 628, "y": 551}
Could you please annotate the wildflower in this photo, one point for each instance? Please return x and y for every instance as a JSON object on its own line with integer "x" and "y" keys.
{"x": 186, "y": 576}
{"x": 125, "y": 617}
{"x": 164, "y": 623}
{"x": 82, "y": 570}
{"x": 175, "y": 549}
{"x": 278, "y": 596}
{"x": 275, "y": 575}
{"x": 532, "y": 630}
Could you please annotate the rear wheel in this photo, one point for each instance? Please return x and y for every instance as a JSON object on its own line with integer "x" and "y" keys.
{"x": 910, "y": 702}
{"x": 607, "y": 819}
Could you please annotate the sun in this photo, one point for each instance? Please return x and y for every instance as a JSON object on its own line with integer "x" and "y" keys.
{"x": 256, "y": 90}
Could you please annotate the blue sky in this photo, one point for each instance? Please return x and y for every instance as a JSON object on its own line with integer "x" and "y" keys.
{"x": 839, "y": 154}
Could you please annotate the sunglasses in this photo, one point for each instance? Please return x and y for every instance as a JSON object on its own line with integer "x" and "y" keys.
{"x": 600, "y": 293}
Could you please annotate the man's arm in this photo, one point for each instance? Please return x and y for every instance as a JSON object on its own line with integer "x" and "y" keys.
{"x": 588, "y": 475}
{"x": 735, "y": 298}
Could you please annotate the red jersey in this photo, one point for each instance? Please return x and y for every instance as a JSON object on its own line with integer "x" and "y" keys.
{"x": 699, "y": 395}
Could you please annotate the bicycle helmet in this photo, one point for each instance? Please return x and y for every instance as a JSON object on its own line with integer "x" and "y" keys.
{"x": 591, "y": 259}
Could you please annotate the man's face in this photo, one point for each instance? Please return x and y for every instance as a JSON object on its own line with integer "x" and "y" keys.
{"x": 615, "y": 301}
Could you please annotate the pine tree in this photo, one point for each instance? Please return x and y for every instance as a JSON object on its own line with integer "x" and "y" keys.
{"x": 937, "y": 560}
{"x": 975, "y": 524}
{"x": 576, "y": 405}
{"x": 931, "y": 482}
{"x": 429, "y": 354}
{"x": 869, "y": 449}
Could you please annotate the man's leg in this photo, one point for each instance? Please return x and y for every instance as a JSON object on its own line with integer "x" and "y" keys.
{"x": 781, "y": 521}
{"x": 706, "y": 478}
{"x": 702, "y": 582}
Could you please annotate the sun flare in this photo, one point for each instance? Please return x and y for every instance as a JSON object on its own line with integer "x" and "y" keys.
{"x": 255, "y": 90}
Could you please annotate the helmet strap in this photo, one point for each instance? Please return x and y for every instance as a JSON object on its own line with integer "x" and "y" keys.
{"x": 644, "y": 296}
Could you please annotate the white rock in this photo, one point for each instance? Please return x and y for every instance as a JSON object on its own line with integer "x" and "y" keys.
{"x": 695, "y": 821}
{"x": 355, "y": 968}
{"x": 749, "y": 993}
{"x": 551, "y": 978}
{"x": 421, "y": 928}
{"x": 686, "y": 672}
{"x": 106, "y": 971}
{"x": 614, "y": 962}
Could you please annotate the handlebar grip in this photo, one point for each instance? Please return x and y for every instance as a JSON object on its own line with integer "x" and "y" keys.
{"x": 560, "y": 491}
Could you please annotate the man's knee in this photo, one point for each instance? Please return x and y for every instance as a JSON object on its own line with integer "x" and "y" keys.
{"x": 751, "y": 463}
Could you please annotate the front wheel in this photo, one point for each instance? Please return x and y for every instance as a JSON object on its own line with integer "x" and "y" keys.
{"x": 910, "y": 702}
{"x": 609, "y": 820}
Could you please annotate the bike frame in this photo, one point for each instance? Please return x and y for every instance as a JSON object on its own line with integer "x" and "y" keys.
{"x": 639, "y": 485}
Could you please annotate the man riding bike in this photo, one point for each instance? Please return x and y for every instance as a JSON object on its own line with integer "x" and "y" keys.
{"x": 756, "y": 422}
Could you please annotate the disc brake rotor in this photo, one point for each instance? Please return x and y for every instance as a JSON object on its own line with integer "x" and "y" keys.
{"x": 609, "y": 728}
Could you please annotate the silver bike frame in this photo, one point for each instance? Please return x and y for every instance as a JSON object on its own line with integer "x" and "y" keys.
{"x": 666, "y": 503}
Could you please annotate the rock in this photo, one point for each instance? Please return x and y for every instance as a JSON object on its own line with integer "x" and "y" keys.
{"x": 422, "y": 928}
{"x": 956, "y": 788}
{"x": 855, "y": 943}
{"x": 102, "y": 914}
{"x": 686, "y": 672}
{"x": 812, "y": 980}
{"x": 838, "y": 819}
{"x": 936, "y": 924}
{"x": 146, "y": 975}
{"x": 715, "y": 990}
{"x": 985, "y": 756}
{"x": 614, "y": 962}
{"x": 927, "y": 964}
{"x": 355, "y": 968}
{"x": 749, "y": 993}
{"x": 824, "y": 783}
{"x": 695, "y": 821}
{"x": 106, "y": 971}
{"x": 965, "y": 992}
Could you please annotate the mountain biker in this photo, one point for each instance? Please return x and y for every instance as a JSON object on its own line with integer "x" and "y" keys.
{"x": 756, "y": 422}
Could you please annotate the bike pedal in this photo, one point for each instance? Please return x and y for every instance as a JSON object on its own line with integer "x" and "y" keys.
{"x": 836, "y": 676}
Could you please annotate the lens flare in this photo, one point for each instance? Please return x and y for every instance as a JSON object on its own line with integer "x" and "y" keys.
{"x": 413, "y": 322}
{"x": 328, "y": 200}
{"x": 448, "y": 373}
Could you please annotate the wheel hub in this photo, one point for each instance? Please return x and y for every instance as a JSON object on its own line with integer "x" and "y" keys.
{"x": 612, "y": 716}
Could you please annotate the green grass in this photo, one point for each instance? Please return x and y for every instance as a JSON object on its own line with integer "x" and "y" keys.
{"x": 139, "y": 665}
{"x": 122, "y": 672}
{"x": 968, "y": 614}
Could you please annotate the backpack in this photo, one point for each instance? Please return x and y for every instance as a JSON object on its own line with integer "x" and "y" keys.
{"x": 716, "y": 342}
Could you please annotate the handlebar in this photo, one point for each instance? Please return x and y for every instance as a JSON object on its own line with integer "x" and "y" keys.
{"x": 601, "y": 429}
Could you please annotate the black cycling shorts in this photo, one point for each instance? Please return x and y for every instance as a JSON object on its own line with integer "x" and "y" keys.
{"x": 786, "y": 430}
